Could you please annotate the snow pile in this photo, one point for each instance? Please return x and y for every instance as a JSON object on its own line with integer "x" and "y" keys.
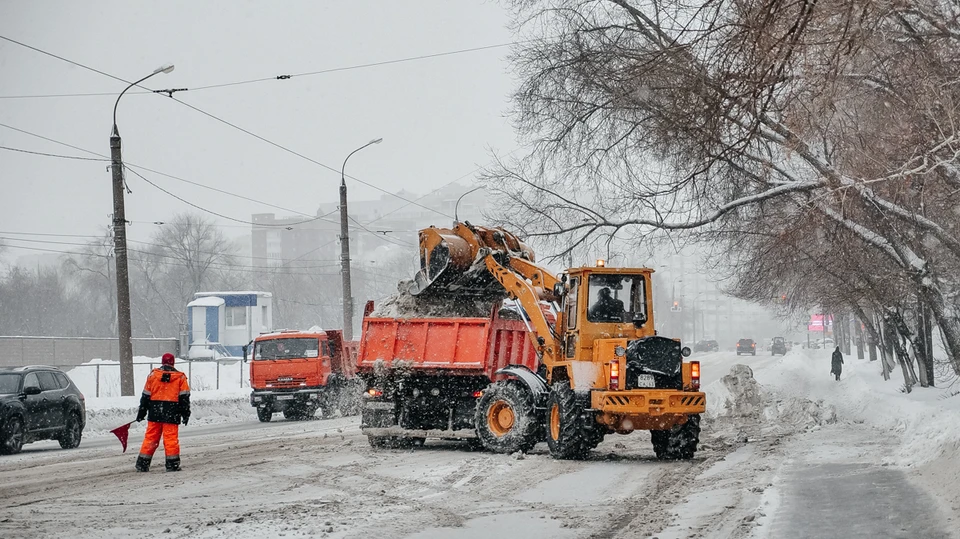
{"x": 735, "y": 395}
{"x": 405, "y": 305}
{"x": 803, "y": 413}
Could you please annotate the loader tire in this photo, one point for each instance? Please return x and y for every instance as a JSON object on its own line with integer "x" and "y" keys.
{"x": 505, "y": 419}
{"x": 566, "y": 434}
{"x": 679, "y": 442}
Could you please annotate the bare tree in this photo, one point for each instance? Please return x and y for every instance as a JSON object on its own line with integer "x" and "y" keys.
{"x": 705, "y": 117}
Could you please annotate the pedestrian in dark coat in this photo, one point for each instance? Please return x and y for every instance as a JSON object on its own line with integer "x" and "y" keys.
{"x": 836, "y": 363}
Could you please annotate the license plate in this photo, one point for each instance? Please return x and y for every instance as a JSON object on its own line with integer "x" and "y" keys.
{"x": 285, "y": 398}
{"x": 646, "y": 380}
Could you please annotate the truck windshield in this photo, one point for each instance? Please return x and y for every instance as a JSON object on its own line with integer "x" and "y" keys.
{"x": 617, "y": 298}
{"x": 9, "y": 384}
{"x": 291, "y": 348}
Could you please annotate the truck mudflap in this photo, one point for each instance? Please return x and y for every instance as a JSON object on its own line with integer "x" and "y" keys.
{"x": 646, "y": 409}
{"x": 399, "y": 432}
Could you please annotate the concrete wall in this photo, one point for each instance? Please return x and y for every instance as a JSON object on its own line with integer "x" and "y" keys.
{"x": 70, "y": 351}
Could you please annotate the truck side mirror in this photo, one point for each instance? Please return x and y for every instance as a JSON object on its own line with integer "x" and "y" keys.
{"x": 244, "y": 347}
{"x": 559, "y": 290}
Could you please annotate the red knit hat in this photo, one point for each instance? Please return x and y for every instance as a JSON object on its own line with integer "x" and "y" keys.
{"x": 167, "y": 359}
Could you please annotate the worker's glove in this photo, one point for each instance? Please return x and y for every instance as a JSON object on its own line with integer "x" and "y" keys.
{"x": 141, "y": 415}
{"x": 185, "y": 419}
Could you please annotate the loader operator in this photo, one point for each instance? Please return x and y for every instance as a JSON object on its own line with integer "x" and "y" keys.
{"x": 606, "y": 309}
{"x": 165, "y": 402}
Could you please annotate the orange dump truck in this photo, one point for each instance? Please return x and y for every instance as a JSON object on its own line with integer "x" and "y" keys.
{"x": 299, "y": 372}
{"x": 424, "y": 376}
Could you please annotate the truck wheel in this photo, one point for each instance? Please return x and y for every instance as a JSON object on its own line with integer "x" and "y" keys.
{"x": 264, "y": 415}
{"x": 505, "y": 419}
{"x": 678, "y": 443}
{"x": 565, "y": 430}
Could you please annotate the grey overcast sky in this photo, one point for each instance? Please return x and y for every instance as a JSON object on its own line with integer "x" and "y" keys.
{"x": 438, "y": 117}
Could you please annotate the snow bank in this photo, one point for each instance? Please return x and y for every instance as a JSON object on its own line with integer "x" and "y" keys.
{"x": 926, "y": 425}
{"x": 229, "y": 403}
{"x": 206, "y": 409}
{"x": 804, "y": 393}
{"x": 202, "y": 375}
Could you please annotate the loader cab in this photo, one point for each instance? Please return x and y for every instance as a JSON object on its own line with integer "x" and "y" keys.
{"x": 605, "y": 303}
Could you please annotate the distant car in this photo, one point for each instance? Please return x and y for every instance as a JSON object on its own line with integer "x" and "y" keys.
{"x": 39, "y": 403}
{"x": 706, "y": 346}
{"x": 779, "y": 346}
{"x": 746, "y": 346}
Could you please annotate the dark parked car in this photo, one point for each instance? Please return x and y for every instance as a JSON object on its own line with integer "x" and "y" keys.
{"x": 39, "y": 403}
{"x": 779, "y": 346}
{"x": 746, "y": 346}
{"x": 706, "y": 346}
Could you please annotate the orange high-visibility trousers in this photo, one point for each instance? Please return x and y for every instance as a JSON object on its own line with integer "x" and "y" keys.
{"x": 151, "y": 440}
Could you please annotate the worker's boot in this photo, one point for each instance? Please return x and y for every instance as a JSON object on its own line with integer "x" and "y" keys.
{"x": 173, "y": 464}
{"x": 143, "y": 464}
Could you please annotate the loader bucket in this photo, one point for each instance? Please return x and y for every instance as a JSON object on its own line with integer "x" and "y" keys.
{"x": 452, "y": 260}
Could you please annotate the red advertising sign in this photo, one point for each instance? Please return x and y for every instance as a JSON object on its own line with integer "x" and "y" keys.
{"x": 816, "y": 322}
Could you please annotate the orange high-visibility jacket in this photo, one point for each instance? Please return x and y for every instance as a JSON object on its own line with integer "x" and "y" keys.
{"x": 166, "y": 396}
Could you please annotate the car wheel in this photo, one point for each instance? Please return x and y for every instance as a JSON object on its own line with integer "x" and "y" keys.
{"x": 70, "y": 437}
{"x": 12, "y": 440}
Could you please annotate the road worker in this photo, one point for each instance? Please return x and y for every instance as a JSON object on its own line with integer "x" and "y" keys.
{"x": 164, "y": 403}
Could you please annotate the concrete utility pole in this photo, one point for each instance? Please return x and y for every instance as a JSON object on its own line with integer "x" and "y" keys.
{"x": 345, "y": 248}
{"x": 120, "y": 248}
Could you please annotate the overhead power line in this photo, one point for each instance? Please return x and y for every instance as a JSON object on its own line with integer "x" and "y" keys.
{"x": 52, "y": 154}
{"x": 234, "y": 126}
{"x": 261, "y": 79}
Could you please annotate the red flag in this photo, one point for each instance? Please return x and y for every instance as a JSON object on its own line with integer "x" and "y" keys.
{"x": 122, "y": 433}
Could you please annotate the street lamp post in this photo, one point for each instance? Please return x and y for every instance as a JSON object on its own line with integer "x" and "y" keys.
{"x": 120, "y": 247}
{"x": 345, "y": 248}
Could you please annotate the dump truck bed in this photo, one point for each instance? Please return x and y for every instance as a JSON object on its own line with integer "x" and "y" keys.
{"x": 455, "y": 346}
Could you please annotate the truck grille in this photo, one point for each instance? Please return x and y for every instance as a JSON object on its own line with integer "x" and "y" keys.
{"x": 286, "y": 381}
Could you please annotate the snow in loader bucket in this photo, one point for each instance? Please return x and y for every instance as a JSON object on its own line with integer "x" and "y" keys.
{"x": 440, "y": 277}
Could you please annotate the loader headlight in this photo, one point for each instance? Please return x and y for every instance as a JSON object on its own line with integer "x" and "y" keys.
{"x": 619, "y": 351}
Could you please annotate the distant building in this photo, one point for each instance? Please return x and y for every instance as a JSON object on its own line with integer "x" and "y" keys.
{"x": 389, "y": 221}
{"x": 220, "y": 323}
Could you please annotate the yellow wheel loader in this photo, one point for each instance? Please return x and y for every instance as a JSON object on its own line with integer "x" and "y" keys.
{"x": 603, "y": 369}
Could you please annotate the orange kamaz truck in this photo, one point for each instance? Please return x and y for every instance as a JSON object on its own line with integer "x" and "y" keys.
{"x": 299, "y": 372}
{"x": 600, "y": 367}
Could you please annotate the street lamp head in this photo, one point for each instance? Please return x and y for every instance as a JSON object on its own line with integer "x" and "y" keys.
{"x": 376, "y": 140}
{"x": 165, "y": 68}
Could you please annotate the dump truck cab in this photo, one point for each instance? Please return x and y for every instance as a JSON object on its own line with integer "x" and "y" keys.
{"x": 299, "y": 372}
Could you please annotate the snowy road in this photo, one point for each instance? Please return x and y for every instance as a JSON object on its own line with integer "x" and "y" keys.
{"x": 753, "y": 478}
